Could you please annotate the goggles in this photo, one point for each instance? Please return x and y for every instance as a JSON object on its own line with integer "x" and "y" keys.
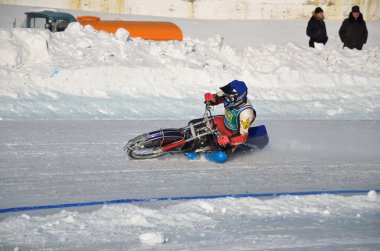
{"x": 230, "y": 98}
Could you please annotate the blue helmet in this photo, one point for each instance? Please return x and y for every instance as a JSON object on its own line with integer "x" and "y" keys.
{"x": 236, "y": 94}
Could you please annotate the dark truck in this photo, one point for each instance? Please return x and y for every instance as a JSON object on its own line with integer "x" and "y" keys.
{"x": 54, "y": 21}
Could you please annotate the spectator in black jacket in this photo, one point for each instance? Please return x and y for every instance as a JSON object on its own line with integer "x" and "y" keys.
{"x": 353, "y": 31}
{"x": 316, "y": 28}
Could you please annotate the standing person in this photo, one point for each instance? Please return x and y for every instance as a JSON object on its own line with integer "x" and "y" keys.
{"x": 353, "y": 31}
{"x": 316, "y": 28}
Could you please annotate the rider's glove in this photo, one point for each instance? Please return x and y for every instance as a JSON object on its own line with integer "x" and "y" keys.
{"x": 209, "y": 97}
{"x": 223, "y": 140}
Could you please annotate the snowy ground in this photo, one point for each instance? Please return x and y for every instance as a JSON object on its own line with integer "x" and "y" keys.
{"x": 68, "y": 108}
{"x": 55, "y": 162}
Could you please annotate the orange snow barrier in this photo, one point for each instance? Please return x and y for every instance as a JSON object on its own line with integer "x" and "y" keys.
{"x": 149, "y": 30}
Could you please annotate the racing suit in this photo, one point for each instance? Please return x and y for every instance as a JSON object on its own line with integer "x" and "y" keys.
{"x": 235, "y": 122}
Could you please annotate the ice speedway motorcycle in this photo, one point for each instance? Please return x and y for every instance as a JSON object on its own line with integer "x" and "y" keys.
{"x": 200, "y": 136}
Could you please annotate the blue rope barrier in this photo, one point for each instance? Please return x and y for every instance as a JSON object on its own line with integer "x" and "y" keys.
{"x": 204, "y": 197}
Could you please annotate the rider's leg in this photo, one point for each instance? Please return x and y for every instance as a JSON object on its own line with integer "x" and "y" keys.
{"x": 219, "y": 156}
{"x": 219, "y": 123}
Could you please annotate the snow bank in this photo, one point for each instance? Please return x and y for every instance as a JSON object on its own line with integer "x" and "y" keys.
{"x": 83, "y": 73}
{"x": 23, "y": 46}
{"x": 132, "y": 226}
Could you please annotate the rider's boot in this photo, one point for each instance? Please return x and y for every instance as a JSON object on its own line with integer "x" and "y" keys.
{"x": 218, "y": 156}
{"x": 192, "y": 155}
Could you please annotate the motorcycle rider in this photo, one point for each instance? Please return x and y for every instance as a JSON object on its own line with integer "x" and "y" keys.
{"x": 234, "y": 124}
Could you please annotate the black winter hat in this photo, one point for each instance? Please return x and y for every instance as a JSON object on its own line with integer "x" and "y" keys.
{"x": 318, "y": 10}
{"x": 355, "y": 8}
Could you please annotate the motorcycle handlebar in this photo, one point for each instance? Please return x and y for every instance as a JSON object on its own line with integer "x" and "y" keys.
{"x": 208, "y": 105}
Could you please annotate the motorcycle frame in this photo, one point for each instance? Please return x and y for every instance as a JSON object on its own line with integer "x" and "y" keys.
{"x": 180, "y": 134}
{"x": 207, "y": 119}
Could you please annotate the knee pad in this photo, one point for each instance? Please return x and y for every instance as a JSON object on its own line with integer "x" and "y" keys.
{"x": 192, "y": 155}
{"x": 218, "y": 156}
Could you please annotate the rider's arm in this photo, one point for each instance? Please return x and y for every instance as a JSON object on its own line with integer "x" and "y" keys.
{"x": 238, "y": 139}
{"x": 214, "y": 99}
{"x": 219, "y": 99}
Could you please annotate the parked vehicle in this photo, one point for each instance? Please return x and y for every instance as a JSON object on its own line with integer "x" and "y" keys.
{"x": 149, "y": 30}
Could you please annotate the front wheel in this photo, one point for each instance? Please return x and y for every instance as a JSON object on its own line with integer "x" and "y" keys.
{"x": 145, "y": 153}
{"x": 143, "y": 148}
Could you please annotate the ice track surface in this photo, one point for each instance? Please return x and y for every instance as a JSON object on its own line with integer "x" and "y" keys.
{"x": 50, "y": 162}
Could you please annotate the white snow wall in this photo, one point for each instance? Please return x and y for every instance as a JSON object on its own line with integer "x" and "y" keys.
{"x": 216, "y": 9}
